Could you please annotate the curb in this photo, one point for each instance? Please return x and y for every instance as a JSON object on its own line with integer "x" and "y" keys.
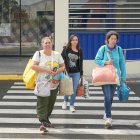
{"x": 10, "y": 77}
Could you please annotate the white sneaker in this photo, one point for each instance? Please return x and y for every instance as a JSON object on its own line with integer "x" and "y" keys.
{"x": 64, "y": 105}
{"x": 72, "y": 109}
{"x": 108, "y": 123}
{"x": 104, "y": 116}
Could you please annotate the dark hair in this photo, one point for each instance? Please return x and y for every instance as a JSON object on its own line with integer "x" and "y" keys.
{"x": 69, "y": 42}
{"x": 109, "y": 34}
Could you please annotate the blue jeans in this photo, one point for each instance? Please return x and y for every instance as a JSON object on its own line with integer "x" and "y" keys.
{"x": 75, "y": 78}
{"x": 108, "y": 91}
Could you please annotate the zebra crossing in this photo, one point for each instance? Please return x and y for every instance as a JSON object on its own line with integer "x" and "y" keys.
{"x": 18, "y": 117}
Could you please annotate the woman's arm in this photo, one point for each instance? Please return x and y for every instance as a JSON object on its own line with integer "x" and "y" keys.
{"x": 35, "y": 66}
{"x": 99, "y": 58}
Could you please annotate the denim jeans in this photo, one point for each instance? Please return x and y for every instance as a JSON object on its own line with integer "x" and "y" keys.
{"x": 75, "y": 78}
{"x": 108, "y": 91}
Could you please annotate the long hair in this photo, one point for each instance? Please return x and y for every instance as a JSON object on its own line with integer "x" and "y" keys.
{"x": 69, "y": 42}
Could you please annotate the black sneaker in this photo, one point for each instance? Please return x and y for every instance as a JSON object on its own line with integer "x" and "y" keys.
{"x": 43, "y": 127}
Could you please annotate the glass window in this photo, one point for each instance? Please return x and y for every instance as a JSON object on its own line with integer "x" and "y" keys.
{"x": 23, "y": 23}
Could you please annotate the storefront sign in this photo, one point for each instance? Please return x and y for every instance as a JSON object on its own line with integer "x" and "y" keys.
{"x": 21, "y": 15}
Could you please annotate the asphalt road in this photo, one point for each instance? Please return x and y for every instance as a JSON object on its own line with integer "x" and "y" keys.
{"x": 18, "y": 118}
{"x": 135, "y": 87}
{"x": 4, "y": 86}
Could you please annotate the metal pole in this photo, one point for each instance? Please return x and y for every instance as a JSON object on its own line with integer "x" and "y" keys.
{"x": 2, "y": 11}
{"x": 20, "y": 27}
{"x": 9, "y": 11}
{"x": 125, "y": 54}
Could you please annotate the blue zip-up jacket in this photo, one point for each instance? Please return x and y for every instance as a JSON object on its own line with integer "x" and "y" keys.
{"x": 117, "y": 57}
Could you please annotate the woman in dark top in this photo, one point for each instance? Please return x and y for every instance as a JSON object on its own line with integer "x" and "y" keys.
{"x": 73, "y": 58}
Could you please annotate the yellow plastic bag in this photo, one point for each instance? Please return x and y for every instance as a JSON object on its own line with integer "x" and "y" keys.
{"x": 29, "y": 76}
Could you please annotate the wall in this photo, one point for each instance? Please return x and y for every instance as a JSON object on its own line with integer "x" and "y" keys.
{"x": 91, "y": 41}
{"x": 61, "y": 23}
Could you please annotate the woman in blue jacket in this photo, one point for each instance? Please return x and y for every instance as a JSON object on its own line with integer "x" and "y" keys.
{"x": 117, "y": 59}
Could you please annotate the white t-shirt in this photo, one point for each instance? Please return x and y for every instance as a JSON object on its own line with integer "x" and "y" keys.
{"x": 46, "y": 62}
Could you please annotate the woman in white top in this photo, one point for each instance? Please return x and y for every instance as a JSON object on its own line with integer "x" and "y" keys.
{"x": 42, "y": 64}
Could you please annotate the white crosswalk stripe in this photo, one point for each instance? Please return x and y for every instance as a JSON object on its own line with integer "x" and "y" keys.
{"x": 81, "y": 112}
{"x": 77, "y": 104}
{"x": 17, "y": 110}
{"x": 72, "y": 131}
{"x": 60, "y": 97}
{"x": 31, "y": 91}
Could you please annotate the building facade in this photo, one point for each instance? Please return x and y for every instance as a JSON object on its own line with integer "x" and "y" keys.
{"x": 23, "y": 23}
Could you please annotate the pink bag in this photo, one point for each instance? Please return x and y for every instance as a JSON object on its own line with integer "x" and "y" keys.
{"x": 103, "y": 75}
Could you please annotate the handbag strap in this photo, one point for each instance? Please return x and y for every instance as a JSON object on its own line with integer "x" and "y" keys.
{"x": 52, "y": 60}
{"x": 66, "y": 73}
{"x": 82, "y": 82}
{"x": 108, "y": 55}
{"x": 51, "y": 64}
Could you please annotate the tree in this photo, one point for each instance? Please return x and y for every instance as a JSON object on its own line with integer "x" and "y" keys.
{"x": 8, "y": 8}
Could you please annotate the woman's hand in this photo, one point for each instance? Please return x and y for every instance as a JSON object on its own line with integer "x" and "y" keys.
{"x": 54, "y": 72}
{"x": 109, "y": 62}
{"x": 48, "y": 71}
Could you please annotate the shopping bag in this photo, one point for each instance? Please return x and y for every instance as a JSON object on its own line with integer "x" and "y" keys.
{"x": 42, "y": 88}
{"x": 66, "y": 85}
{"x": 86, "y": 89}
{"x": 123, "y": 91}
{"x": 80, "y": 88}
{"x": 103, "y": 75}
{"x": 83, "y": 88}
{"x": 29, "y": 76}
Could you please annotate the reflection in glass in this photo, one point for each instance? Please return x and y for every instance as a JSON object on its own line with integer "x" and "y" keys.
{"x": 28, "y": 23}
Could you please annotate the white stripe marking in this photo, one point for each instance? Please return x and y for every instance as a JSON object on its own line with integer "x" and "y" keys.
{"x": 20, "y": 91}
{"x": 101, "y": 93}
{"x": 90, "y": 87}
{"x": 69, "y": 121}
{"x": 81, "y": 112}
{"x": 71, "y": 131}
{"x": 76, "y": 104}
{"x": 61, "y": 97}
{"x": 31, "y": 91}
{"x": 19, "y": 83}
{"x": 18, "y": 87}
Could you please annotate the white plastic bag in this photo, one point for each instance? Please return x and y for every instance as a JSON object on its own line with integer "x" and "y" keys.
{"x": 86, "y": 89}
{"x": 42, "y": 88}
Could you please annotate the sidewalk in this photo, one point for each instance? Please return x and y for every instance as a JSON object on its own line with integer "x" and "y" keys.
{"x": 11, "y": 68}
